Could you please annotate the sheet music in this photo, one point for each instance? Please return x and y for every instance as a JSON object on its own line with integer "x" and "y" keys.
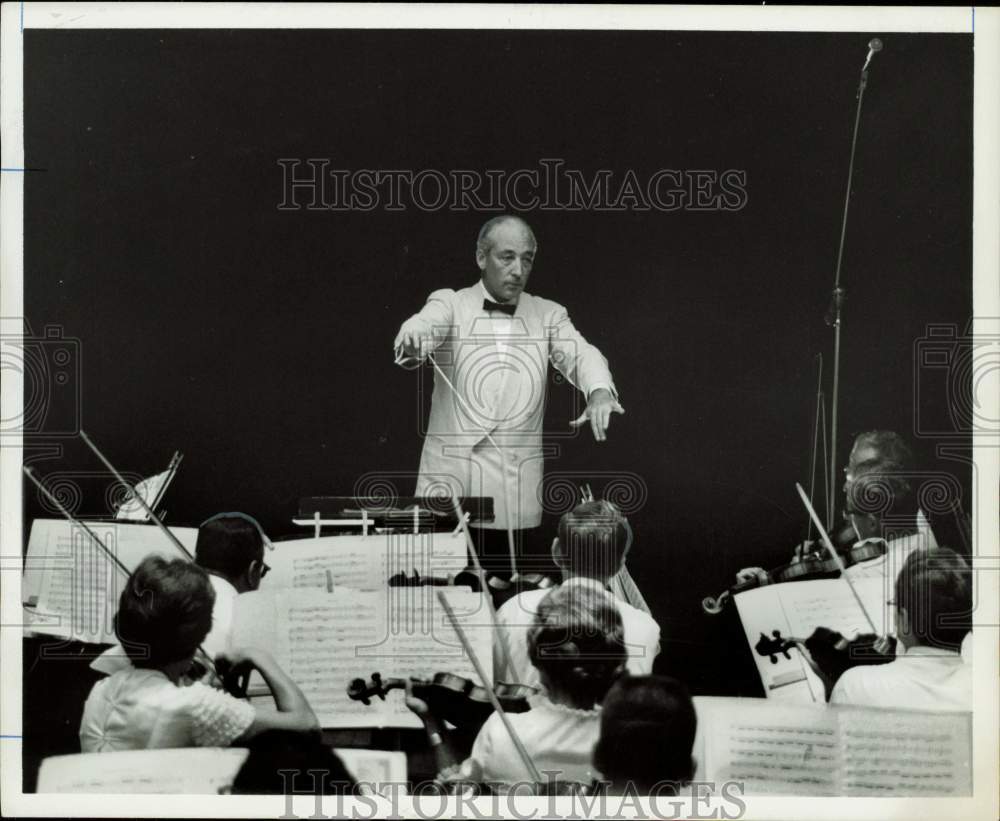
{"x": 772, "y": 750}
{"x": 150, "y": 490}
{"x": 830, "y": 603}
{"x": 779, "y": 749}
{"x": 906, "y": 753}
{"x": 375, "y": 768}
{"x": 324, "y": 640}
{"x": 72, "y": 585}
{"x": 188, "y": 771}
{"x": 786, "y": 678}
{"x": 79, "y": 601}
{"x": 364, "y": 562}
{"x": 797, "y": 609}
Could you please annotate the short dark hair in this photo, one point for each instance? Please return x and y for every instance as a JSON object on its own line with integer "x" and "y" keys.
{"x": 228, "y": 543}
{"x": 593, "y": 539}
{"x": 577, "y": 640}
{"x": 164, "y": 612}
{"x": 647, "y": 733}
{"x": 935, "y": 588}
{"x": 295, "y": 753}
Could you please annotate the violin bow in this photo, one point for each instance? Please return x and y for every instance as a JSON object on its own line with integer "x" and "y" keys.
{"x": 108, "y": 551}
{"x": 137, "y": 496}
{"x": 835, "y": 555}
{"x": 501, "y": 634}
{"x": 521, "y": 751}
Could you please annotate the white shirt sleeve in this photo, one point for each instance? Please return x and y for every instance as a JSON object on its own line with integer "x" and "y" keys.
{"x": 217, "y": 718}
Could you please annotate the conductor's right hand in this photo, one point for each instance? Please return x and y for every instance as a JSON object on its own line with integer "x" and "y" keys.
{"x": 415, "y": 341}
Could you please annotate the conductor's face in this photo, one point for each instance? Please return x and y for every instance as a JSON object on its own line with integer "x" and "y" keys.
{"x": 506, "y": 264}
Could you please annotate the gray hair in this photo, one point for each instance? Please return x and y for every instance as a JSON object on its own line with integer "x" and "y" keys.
{"x": 484, "y": 241}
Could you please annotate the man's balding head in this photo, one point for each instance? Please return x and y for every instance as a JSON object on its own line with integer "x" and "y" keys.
{"x": 485, "y": 240}
{"x": 505, "y": 254}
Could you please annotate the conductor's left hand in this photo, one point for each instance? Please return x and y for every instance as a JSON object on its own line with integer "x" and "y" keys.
{"x": 600, "y": 406}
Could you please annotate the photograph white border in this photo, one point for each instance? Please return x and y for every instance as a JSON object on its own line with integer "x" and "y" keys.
{"x": 985, "y": 23}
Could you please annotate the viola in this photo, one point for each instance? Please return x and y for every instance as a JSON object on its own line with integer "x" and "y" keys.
{"x": 831, "y": 652}
{"x": 453, "y": 698}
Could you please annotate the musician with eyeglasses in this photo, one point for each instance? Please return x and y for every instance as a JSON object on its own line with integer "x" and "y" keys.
{"x": 230, "y": 548}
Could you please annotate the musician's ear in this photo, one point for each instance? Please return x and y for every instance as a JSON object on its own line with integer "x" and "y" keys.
{"x": 253, "y": 574}
{"x": 903, "y": 624}
{"x": 481, "y": 259}
{"x": 557, "y": 554}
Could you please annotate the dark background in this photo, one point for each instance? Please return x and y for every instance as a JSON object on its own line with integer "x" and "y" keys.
{"x": 258, "y": 342}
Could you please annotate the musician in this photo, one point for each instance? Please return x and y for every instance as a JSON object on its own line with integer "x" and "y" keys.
{"x": 878, "y": 447}
{"x": 647, "y": 734}
{"x": 164, "y": 613}
{"x": 590, "y": 549}
{"x": 493, "y": 342}
{"x": 230, "y": 547}
{"x": 882, "y": 510}
{"x": 933, "y": 601}
{"x": 576, "y": 645}
{"x": 885, "y": 454}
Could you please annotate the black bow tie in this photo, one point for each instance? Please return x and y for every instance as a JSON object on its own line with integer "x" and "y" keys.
{"x": 490, "y": 305}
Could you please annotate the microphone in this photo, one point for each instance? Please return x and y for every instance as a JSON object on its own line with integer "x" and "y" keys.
{"x": 874, "y": 46}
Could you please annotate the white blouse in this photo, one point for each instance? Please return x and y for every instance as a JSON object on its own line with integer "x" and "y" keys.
{"x": 137, "y": 709}
{"x": 559, "y": 739}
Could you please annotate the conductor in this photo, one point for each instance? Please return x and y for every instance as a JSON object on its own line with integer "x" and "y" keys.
{"x": 491, "y": 344}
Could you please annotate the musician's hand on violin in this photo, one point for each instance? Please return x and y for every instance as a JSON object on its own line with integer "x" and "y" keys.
{"x": 468, "y": 772}
{"x": 235, "y": 666}
{"x": 244, "y": 659}
{"x": 600, "y": 405}
{"x": 747, "y": 573}
{"x": 418, "y": 706}
{"x": 802, "y": 550}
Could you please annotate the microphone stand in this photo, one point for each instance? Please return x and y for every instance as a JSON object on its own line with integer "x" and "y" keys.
{"x": 819, "y": 424}
{"x": 833, "y": 314}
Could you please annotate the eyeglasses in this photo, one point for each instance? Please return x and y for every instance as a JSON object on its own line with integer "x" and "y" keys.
{"x": 265, "y": 568}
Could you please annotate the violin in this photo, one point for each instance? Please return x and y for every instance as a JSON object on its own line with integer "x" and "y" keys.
{"x": 503, "y": 590}
{"x": 831, "y": 652}
{"x": 458, "y": 700}
{"x": 465, "y": 578}
{"x": 817, "y": 564}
